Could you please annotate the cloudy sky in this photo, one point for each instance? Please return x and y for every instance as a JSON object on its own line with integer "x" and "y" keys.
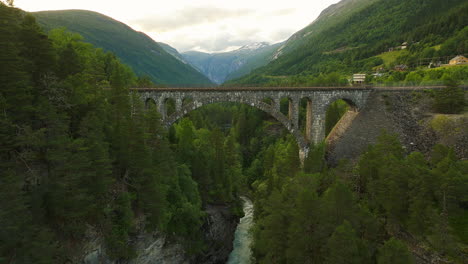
{"x": 203, "y": 25}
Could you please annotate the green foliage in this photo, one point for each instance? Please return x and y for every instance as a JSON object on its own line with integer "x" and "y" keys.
{"x": 334, "y": 113}
{"x": 394, "y": 251}
{"x": 346, "y": 214}
{"x": 74, "y": 154}
{"x": 315, "y": 161}
{"x": 121, "y": 225}
{"x": 214, "y": 160}
{"x": 343, "y": 245}
{"x": 450, "y": 100}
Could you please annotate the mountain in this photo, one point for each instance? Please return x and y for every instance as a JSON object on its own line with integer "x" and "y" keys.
{"x": 354, "y": 36}
{"x": 220, "y": 67}
{"x": 169, "y": 49}
{"x": 143, "y": 54}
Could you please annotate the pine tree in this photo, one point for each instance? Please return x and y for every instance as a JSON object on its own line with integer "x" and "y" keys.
{"x": 394, "y": 252}
{"x": 304, "y": 229}
{"x": 119, "y": 227}
{"x": 343, "y": 246}
{"x": 38, "y": 49}
{"x": 271, "y": 242}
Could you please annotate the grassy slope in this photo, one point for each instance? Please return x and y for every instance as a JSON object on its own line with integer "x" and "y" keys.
{"x": 136, "y": 49}
{"x": 329, "y": 18}
{"x": 362, "y": 29}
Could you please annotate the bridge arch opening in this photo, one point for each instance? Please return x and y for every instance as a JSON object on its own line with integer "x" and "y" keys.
{"x": 169, "y": 106}
{"x": 268, "y": 100}
{"x": 339, "y": 115}
{"x": 285, "y": 106}
{"x": 281, "y": 118}
{"x": 150, "y": 103}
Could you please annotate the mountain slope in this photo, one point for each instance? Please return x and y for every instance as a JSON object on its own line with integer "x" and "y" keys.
{"x": 169, "y": 49}
{"x": 220, "y": 67}
{"x": 134, "y": 48}
{"x": 348, "y": 37}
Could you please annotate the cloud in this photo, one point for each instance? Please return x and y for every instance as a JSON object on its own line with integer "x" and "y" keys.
{"x": 222, "y": 40}
{"x": 210, "y": 25}
{"x": 228, "y": 33}
{"x": 284, "y": 12}
{"x": 189, "y": 17}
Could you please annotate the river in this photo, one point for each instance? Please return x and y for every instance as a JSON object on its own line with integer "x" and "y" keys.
{"x": 241, "y": 254}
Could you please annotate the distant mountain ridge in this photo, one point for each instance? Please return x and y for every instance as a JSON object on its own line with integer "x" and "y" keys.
{"x": 219, "y": 67}
{"x": 136, "y": 49}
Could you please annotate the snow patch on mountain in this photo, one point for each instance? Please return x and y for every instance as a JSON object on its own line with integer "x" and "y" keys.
{"x": 254, "y": 46}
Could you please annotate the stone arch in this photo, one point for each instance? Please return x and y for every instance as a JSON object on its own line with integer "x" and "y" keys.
{"x": 345, "y": 121}
{"x": 319, "y": 99}
{"x": 268, "y": 100}
{"x": 283, "y": 109}
{"x": 351, "y": 101}
{"x": 149, "y": 101}
{"x": 267, "y": 108}
{"x": 169, "y": 105}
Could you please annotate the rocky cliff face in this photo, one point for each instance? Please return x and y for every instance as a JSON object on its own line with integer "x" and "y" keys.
{"x": 158, "y": 248}
{"x": 394, "y": 112}
{"x": 151, "y": 248}
{"x": 219, "y": 229}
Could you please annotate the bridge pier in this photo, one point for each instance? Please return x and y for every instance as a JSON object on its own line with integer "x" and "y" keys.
{"x": 318, "y": 124}
{"x": 276, "y": 104}
{"x": 161, "y": 105}
{"x": 178, "y": 105}
{"x": 309, "y": 120}
{"x": 293, "y": 113}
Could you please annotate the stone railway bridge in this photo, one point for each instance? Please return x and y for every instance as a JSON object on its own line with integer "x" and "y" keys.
{"x": 268, "y": 100}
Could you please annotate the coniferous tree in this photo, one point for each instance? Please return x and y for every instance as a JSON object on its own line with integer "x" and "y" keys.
{"x": 395, "y": 252}
{"x": 343, "y": 246}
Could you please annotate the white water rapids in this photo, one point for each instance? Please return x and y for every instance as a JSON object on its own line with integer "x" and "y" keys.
{"x": 241, "y": 254}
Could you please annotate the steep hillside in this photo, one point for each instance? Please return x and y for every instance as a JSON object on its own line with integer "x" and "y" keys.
{"x": 169, "y": 49}
{"x": 348, "y": 36}
{"x": 220, "y": 67}
{"x": 134, "y": 48}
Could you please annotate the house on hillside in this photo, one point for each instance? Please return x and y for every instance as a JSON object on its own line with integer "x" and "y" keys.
{"x": 401, "y": 68}
{"x": 359, "y": 78}
{"x": 403, "y": 46}
{"x": 458, "y": 60}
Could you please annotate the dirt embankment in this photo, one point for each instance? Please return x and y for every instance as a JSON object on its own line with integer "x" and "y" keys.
{"x": 407, "y": 114}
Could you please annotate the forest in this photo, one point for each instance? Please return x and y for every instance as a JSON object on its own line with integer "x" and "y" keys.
{"x": 80, "y": 152}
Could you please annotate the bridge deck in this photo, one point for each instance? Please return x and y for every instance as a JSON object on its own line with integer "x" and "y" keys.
{"x": 211, "y": 89}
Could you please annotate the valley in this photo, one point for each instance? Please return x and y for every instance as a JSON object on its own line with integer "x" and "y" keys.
{"x": 346, "y": 142}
